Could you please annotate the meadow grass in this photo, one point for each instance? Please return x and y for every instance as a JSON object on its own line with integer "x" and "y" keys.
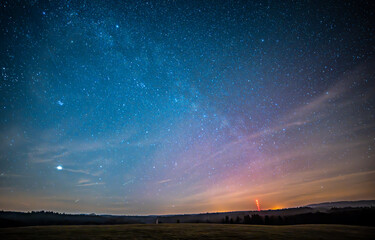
{"x": 189, "y": 231}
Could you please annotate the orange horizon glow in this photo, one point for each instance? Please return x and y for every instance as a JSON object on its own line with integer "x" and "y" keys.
{"x": 276, "y": 208}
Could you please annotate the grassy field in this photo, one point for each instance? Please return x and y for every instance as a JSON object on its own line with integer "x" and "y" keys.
{"x": 190, "y": 231}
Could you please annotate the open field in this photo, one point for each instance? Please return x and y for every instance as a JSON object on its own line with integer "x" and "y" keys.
{"x": 189, "y": 231}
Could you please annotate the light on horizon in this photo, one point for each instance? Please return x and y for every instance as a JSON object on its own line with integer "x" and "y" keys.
{"x": 257, "y": 203}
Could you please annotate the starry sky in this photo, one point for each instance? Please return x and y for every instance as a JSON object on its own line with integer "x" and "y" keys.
{"x": 161, "y": 107}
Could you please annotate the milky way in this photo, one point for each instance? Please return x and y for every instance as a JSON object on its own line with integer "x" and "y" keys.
{"x": 185, "y": 106}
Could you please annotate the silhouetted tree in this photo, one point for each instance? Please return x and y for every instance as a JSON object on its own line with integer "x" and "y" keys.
{"x": 267, "y": 220}
{"x": 247, "y": 219}
{"x": 280, "y": 220}
{"x": 256, "y": 219}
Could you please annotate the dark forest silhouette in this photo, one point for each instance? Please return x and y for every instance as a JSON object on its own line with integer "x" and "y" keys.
{"x": 349, "y": 216}
{"x": 364, "y": 216}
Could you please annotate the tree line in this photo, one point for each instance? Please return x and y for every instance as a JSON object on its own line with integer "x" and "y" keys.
{"x": 350, "y": 216}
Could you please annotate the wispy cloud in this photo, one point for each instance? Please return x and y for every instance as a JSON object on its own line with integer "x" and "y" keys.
{"x": 85, "y": 182}
{"x": 10, "y": 175}
{"x": 164, "y": 181}
{"x": 90, "y": 184}
{"x": 82, "y": 181}
{"x": 322, "y": 106}
{"x": 77, "y": 171}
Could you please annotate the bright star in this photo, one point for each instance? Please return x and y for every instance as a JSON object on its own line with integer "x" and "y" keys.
{"x": 59, "y": 168}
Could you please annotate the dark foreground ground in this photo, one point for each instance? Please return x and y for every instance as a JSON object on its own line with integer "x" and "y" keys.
{"x": 190, "y": 231}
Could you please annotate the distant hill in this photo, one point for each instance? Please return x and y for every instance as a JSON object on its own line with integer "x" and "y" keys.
{"x": 348, "y": 212}
{"x": 343, "y": 204}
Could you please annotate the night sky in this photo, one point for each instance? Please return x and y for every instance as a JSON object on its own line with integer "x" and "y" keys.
{"x": 158, "y": 107}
